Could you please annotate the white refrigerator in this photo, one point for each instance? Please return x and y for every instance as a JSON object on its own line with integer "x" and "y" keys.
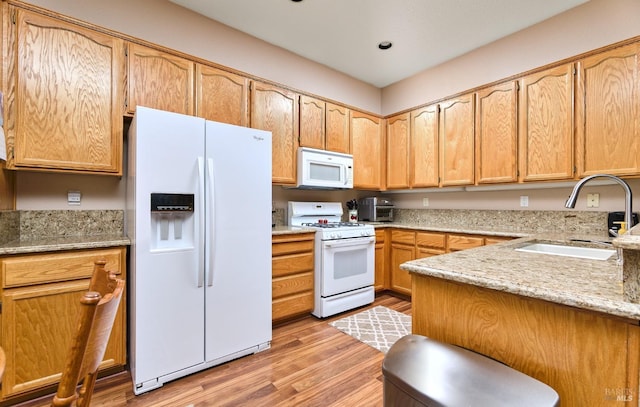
{"x": 198, "y": 214}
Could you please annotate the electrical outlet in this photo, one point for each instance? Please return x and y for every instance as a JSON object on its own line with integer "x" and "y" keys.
{"x": 74, "y": 197}
{"x": 593, "y": 200}
{"x": 524, "y": 201}
{"x": 425, "y": 202}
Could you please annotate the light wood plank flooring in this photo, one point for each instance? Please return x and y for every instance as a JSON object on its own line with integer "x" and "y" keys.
{"x": 309, "y": 364}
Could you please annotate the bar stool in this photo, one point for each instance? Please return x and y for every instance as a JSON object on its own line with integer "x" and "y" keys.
{"x": 420, "y": 372}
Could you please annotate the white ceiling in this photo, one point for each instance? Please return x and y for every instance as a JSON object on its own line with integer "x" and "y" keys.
{"x": 344, "y": 34}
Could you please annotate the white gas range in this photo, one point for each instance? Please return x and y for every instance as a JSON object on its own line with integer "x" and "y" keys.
{"x": 344, "y": 268}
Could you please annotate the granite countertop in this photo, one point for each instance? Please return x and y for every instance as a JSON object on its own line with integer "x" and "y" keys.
{"x": 476, "y": 230}
{"x": 488, "y": 230}
{"x": 588, "y": 284}
{"x": 50, "y": 244}
{"x": 290, "y": 230}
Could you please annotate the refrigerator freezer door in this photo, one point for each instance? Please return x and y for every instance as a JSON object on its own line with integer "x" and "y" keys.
{"x": 167, "y": 306}
{"x": 238, "y": 286}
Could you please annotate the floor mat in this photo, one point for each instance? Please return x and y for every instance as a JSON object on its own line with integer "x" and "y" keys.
{"x": 378, "y": 327}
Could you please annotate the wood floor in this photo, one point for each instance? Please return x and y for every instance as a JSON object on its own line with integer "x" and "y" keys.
{"x": 309, "y": 364}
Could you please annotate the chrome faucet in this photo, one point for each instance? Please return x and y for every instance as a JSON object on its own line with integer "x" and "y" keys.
{"x": 571, "y": 202}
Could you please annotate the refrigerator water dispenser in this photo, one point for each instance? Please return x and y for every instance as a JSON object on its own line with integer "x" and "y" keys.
{"x": 172, "y": 223}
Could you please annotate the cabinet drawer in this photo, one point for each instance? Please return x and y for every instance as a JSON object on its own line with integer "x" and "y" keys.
{"x": 404, "y": 237}
{"x": 293, "y": 305}
{"x": 460, "y": 242}
{"x": 292, "y": 284}
{"x": 31, "y": 269}
{"x": 288, "y": 244}
{"x": 380, "y": 236}
{"x": 433, "y": 240}
{"x": 291, "y": 264}
{"x": 495, "y": 239}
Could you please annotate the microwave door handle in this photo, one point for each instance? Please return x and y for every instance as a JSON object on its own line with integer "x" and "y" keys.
{"x": 346, "y": 176}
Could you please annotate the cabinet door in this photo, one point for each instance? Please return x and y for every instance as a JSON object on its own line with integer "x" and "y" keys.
{"x": 497, "y": 133}
{"x": 368, "y": 152}
{"x": 401, "y": 279}
{"x": 380, "y": 261}
{"x": 38, "y": 323}
{"x": 40, "y": 305}
{"x": 546, "y": 125}
{"x": 608, "y": 112}
{"x": 276, "y": 110}
{"x": 337, "y": 137}
{"x": 222, "y": 96}
{"x": 456, "y": 141}
{"x": 312, "y": 122}
{"x": 424, "y": 147}
{"x": 63, "y": 96}
{"x": 159, "y": 80}
{"x": 398, "y": 148}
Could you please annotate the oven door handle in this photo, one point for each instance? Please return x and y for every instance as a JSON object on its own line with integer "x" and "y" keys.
{"x": 350, "y": 242}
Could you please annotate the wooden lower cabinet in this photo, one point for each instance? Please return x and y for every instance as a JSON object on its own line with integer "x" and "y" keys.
{"x": 381, "y": 257}
{"x": 589, "y": 358}
{"x": 40, "y": 303}
{"x": 462, "y": 242}
{"x": 403, "y": 249}
{"x": 406, "y": 245}
{"x": 292, "y": 273}
{"x": 430, "y": 244}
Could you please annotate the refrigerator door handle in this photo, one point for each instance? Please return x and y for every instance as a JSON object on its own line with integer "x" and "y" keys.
{"x": 201, "y": 228}
{"x": 211, "y": 244}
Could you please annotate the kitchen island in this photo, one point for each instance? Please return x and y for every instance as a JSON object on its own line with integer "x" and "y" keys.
{"x": 563, "y": 320}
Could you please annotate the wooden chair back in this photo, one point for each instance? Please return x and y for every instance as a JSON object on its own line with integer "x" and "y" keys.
{"x": 98, "y": 310}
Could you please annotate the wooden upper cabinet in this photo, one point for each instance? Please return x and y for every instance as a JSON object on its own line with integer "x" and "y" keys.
{"x": 323, "y": 125}
{"x": 546, "y": 125}
{"x": 63, "y": 96}
{"x": 337, "y": 136}
{"x": 222, "y": 96}
{"x": 276, "y": 110}
{"x": 398, "y": 147}
{"x": 424, "y": 147}
{"x": 497, "y": 133}
{"x": 159, "y": 80}
{"x": 367, "y": 145}
{"x": 312, "y": 122}
{"x": 608, "y": 112}
{"x": 457, "y": 141}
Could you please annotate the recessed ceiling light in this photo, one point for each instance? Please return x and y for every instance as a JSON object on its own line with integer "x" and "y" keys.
{"x": 296, "y": 1}
{"x": 385, "y": 45}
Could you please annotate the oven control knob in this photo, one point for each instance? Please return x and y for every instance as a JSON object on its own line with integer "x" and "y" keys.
{"x": 363, "y": 233}
{"x": 335, "y": 236}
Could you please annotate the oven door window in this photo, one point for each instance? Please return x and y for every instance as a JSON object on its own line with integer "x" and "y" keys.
{"x": 347, "y": 265}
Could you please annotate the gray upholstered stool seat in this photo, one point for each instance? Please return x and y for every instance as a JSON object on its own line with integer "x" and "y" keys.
{"x": 419, "y": 371}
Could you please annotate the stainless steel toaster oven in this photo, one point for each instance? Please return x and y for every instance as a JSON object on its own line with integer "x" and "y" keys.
{"x": 375, "y": 209}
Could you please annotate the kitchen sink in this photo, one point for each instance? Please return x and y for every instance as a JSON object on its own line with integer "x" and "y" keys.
{"x": 568, "y": 251}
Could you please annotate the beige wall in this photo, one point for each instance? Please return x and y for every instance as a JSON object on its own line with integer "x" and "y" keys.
{"x": 597, "y": 23}
{"x": 594, "y": 24}
{"x": 551, "y": 197}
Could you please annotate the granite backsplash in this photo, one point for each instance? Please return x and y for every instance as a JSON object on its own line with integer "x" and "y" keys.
{"x": 28, "y": 225}
{"x": 581, "y": 222}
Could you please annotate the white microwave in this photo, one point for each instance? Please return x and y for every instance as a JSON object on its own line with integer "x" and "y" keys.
{"x": 324, "y": 169}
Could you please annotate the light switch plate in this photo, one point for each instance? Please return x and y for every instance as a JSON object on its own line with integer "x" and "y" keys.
{"x": 425, "y": 202}
{"x": 593, "y": 200}
{"x": 524, "y": 201}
